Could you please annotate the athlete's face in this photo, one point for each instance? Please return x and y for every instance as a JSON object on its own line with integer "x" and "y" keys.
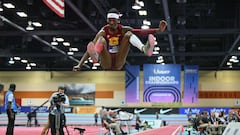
{"x": 113, "y": 23}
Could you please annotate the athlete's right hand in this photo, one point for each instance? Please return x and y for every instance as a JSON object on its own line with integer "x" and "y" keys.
{"x": 76, "y": 68}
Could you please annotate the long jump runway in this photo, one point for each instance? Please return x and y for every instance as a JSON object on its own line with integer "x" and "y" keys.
{"x": 92, "y": 130}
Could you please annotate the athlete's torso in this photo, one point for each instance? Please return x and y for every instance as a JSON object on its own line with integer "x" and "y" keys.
{"x": 113, "y": 39}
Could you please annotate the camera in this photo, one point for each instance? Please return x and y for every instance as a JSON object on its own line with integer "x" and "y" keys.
{"x": 59, "y": 98}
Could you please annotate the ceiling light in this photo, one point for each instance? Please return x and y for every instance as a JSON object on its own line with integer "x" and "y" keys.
{"x": 155, "y": 52}
{"x": 66, "y": 43}
{"x": 156, "y": 48}
{"x": 141, "y": 3}
{"x": 70, "y": 53}
{"x": 60, "y": 39}
{"x": 1, "y": 9}
{"x": 24, "y": 61}
{"x": 73, "y": 49}
{"x": 22, "y": 14}
{"x": 229, "y": 63}
{"x": 90, "y": 60}
{"x": 96, "y": 64}
{"x": 234, "y": 57}
{"x": 54, "y": 43}
{"x": 142, "y": 12}
{"x": 239, "y": 48}
{"x": 37, "y": 24}
{"x": 160, "y": 61}
{"x": 144, "y": 27}
{"x": 160, "y": 57}
{"x": 146, "y": 22}
{"x": 136, "y": 5}
{"x": 33, "y": 64}
{"x": 11, "y": 61}
{"x": 16, "y": 58}
{"x": 28, "y": 67}
{"x": 94, "y": 67}
{"x": 29, "y": 27}
{"x": 8, "y": 5}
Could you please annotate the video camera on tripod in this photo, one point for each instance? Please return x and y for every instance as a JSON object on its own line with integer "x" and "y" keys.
{"x": 60, "y": 97}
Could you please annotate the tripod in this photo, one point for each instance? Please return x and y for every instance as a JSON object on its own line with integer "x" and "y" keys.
{"x": 59, "y": 121}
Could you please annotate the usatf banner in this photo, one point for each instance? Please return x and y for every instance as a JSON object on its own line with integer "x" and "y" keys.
{"x": 162, "y": 83}
{"x": 132, "y": 84}
{"x": 190, "y": 84}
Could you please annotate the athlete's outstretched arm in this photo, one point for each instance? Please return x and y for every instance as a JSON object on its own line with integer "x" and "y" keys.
{"x": 161, "y": 28}
{"x": 81, "y": 62}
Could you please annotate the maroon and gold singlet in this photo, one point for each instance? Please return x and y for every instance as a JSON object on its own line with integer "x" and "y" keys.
{"x": 113, "y": 40}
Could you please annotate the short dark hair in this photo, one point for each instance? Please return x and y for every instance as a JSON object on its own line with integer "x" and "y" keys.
{"x": 113, "y": 10}
{"x": 61, "y": 88}
{"x": 12, "y": 87}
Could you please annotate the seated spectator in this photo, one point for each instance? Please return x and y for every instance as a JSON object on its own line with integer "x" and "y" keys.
{"x": 196, "y": 121}
{"x": 233, "y": 116}
{"x": 110, "y": 123}
{"x": 221, "y": 118}
{"x": 212, "y": 119}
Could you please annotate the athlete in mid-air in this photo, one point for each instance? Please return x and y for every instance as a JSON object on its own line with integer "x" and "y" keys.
{"x": 112, "y": 43}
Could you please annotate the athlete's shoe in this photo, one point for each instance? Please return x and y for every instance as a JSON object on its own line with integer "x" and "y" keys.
{"x": 148, "y": 48}
{"x": 92, "y": 52}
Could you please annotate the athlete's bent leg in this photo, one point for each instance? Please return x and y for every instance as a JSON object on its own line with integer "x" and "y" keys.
{"x": 123, "y": 51}
{"x": 104, "y": 55}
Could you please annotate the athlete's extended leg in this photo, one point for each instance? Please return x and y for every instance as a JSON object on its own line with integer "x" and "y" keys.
{"x": 148, "y": 48}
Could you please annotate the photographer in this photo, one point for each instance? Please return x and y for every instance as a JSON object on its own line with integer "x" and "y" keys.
{"x": 58, "y": 101}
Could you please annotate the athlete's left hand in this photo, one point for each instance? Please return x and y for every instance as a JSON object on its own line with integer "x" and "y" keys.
{"x": 162, "y": 25}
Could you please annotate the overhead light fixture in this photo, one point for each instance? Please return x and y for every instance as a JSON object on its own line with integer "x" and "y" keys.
{"x": 146, "y": 22}
{"x": 96, "y": 64}
{"x": 11, "y": 61}
{"x": 33, "y": 64}
{"x": 29, "y": 27}
{"x": 155, "y": 52}
{"x": 142, "y": 12}
{"x": 73, "y": 49}
{"x": 28, "y": 67}
{"x": 16, "y": 58}
{"x": 59, "y": 39}
{"x": 144, "y": 27}
{"x": 37, "y": 24}
{"x": 1, "y": 9}
{"x": 94, "y": 67}
{"x": 70, "y": 53}
{"x": 66, "y": 43}
{"x": 239, "y": 48}
{"x": 8, "y": 5}
{"x": 24, "y": 61}
{"x": 54, "y": 42}
{"x": 136, "y": 5}
{"x": 22, "y": 14}
{"x": 160, "y": 61}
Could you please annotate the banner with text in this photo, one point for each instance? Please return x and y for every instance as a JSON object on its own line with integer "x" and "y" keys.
{"x": 162, "y": 83}
{"x": 190, "y": 94}
{"x": 132, "y": 84}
